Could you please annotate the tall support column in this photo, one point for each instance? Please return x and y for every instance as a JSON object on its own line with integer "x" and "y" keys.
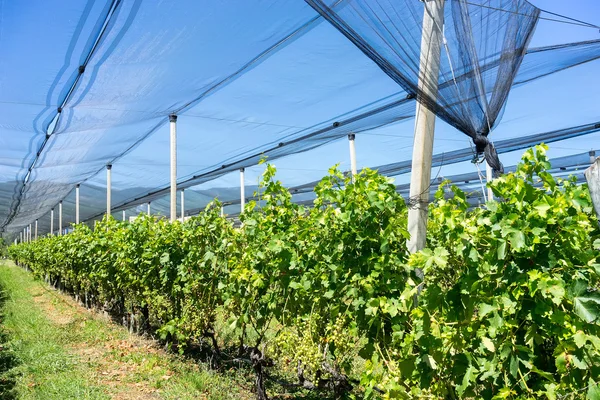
{"x": 21, "y": 237}
{"x": 108, "y": 189}
{"x": 222, "y": 211}
{"x": 51, "y": 221}
{"x": 182, "y": 205}
{"x": 60, "y": 232}
{"x": 148, "y": 208}
{"x": 123, "y": 215}
{"x": 77, "y": 204}
{"x": 242, "y": 190}
{"x": 429, "y": 70}
{"x": 352, "y": 155}
{"x": 489, "y": 176}
{"x": 173, "y": 125}
{"x": 36, "y": 229}
{"x": 30, "y": 233}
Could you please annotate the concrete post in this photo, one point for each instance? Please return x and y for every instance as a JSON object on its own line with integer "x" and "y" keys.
{"x": 60, "y": 218}
{"x": 182, "y": 205}
{"x": 353, "y": 169}
{"x": 242, "y": 190}
{"x": 108, "y": 189}
{"x": 489, "y": 176}
{"x": 173, "y": 125}
{"x": 77, "y": 204}
{"x": 431, "y": 41}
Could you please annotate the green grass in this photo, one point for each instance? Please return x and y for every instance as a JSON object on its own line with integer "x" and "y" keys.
{"x": 53, "y": 349}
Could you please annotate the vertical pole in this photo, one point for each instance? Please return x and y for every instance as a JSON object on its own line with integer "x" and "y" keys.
{"x": 148, "y": 208}
{"x": 108, "y": 189}
{"x": 488, "y": 177}
{"x": 173, "y": 125}
{"x": 60, "y": 218}
{"x": 77, "y": 204}
{"x": 21, "y": 237}
{"x": 123, "y": 215}
{"x": 242, "y": 190}
{"x": 431, "y": 40}
{"x": 30, "y": 233}
{"x": 51, "y": 221}
{"x": 36, "y": 229}
{"x": 222, "y": 211}
{"x": 352, "y": 155}
{"x": 182, "y": 206}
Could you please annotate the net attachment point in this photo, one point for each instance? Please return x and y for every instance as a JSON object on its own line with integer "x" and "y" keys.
{"x": 172, "y": 118}
{"x": 81, "y": 69}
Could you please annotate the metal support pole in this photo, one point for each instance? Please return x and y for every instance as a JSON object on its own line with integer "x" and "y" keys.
{"x": 51, "y": 221}
{"x": 21, "y": 237}
{"x": 60, "y": 218}
{"x": 36, "y": 229}
{"x": 222, "y": 211}
{"x": 182, "y": 205}
{"x": 429, "y": 70}
{"x": 173, "y": 125}
{"x": 489, "y": 176}
{"x": 148, "y": 208}
{"x": 108, "y": 189}
{"x": 30, "y": 233}
{"x": 242, "y": 190}
{"x": 352, "y": 155}
{"x": 123, "y": 215}
{"x": 77, "y": 204}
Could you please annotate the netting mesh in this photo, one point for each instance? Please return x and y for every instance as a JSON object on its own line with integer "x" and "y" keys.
{"x": 280, "y": 81}
{"x": 393, "y": 109}
{"x": 483, "y": 49}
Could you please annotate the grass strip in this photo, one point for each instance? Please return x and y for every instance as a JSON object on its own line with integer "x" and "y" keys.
{"x": 52, "y": 348}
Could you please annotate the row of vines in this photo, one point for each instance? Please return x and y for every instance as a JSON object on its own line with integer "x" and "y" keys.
{"x": 508, "y": 307}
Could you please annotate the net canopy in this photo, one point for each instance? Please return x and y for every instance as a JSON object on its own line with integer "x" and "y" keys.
{"x": 484, "y": 47}
{"x": 275, "y": 79}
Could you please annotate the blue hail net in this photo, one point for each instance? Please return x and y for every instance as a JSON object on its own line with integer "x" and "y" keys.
{"x": 90, "y": 83}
